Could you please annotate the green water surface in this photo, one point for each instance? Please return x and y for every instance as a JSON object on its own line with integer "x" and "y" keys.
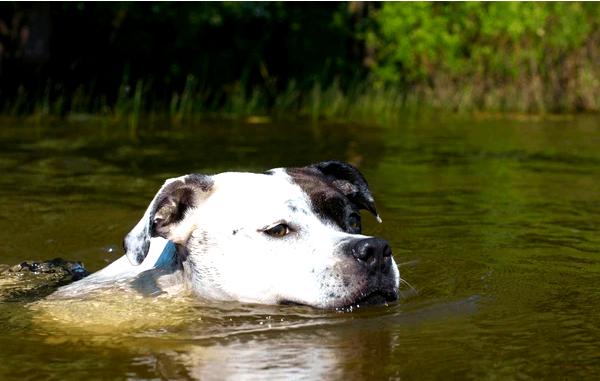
{"x": 495, "y": 223}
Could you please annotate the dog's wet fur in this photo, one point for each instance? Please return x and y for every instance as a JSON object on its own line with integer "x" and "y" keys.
{"x": 286, "y": 236}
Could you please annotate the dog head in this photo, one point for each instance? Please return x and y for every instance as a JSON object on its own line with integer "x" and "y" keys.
{"x": 286, "y": 236}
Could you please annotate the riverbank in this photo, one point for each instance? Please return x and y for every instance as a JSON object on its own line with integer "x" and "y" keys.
{"x": 362, "y": 103}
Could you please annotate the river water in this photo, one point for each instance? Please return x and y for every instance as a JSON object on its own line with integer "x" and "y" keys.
{"x": 495, "y": 223}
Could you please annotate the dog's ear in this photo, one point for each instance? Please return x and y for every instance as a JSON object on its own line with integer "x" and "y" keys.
{"x": 348, "y": 180}
{"x": 165, "y": 214}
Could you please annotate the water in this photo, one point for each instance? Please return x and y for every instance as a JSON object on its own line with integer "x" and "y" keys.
{"x": 495, "y": 223}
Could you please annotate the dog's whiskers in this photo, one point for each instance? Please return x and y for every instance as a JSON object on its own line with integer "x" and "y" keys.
{"x": 410, "y": 286}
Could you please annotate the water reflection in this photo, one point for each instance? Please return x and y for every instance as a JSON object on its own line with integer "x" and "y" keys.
{"x": 233, "y": 341}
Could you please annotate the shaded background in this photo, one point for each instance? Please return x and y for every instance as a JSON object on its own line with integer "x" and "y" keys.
{"x": 321, "y": 60}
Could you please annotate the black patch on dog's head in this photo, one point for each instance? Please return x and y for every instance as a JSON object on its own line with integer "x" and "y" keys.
{"x": 166, "y": 209}
{"x": 337, "y": 191}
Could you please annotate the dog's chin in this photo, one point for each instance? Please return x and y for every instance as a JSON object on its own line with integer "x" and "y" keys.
{"x": 376, "y": 298}
{"x": 372, "y": 298}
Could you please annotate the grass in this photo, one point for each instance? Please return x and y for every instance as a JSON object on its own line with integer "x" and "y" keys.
{"x": 365, "y": 101}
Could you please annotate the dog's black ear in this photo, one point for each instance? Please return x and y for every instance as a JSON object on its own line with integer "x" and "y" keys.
{"x": 348, "y": 180}
{"x": 165, "y": 214}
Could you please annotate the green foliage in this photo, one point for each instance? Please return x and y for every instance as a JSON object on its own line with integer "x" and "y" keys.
{"x": 503, "y": 55}
{"x": 335, "y": 60}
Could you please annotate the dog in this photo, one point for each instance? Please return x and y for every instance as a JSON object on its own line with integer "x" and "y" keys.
{"x": 286, "y": 236}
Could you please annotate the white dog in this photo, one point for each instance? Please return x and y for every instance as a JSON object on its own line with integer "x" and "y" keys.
{"x": 288, "y": 236}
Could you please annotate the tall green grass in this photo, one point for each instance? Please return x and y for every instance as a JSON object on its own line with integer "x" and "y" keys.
{"x": 366, "y": 101}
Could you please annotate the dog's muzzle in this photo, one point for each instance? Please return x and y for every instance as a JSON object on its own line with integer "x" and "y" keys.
{"x": 374, "y": 257}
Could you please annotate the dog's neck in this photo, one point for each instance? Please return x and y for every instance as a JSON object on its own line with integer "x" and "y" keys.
{"x": 160, "y": 272}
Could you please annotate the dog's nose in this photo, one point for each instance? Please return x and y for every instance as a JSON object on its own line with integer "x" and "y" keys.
{"x": 374, "y": 253}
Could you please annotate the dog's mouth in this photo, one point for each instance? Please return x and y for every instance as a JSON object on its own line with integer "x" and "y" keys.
{"x": 375, "y": 298}
{"x": 286, "y": 302}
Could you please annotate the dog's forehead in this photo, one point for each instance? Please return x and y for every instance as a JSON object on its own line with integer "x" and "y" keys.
{"x": 255, "y": 190}
{"x": 281, "y": 193}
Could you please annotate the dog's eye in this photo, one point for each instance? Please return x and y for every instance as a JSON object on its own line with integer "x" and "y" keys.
{"x": 280, "y": 230}
{"x": 354, "y": 223}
